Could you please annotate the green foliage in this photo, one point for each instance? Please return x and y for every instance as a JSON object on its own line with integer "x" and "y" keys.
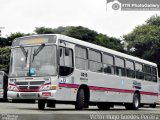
{"x": 154, "y": 20}
{"x": 109, "y": 42}
{"x": 81, "y": 33}
{"x": 145, "y": 39}
{"x": 13, "y": 36}
{"x": 43, "y": 30}
{"x": 3, "y": 42}
{"x": 4, "y": 58}
{"x": 84, "y": 34}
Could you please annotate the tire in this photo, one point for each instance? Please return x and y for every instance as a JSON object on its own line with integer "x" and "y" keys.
{"x": 153, "y": 105}
{"x": 135, "y": 104}
{"x": 41, "y": 104}
{"x": 103, "y": 106}
{"x": 80, "y": 102}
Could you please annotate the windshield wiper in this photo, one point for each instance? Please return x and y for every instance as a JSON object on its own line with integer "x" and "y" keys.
{"x": 37, "y": 51}
{"x": 25, "y": 53}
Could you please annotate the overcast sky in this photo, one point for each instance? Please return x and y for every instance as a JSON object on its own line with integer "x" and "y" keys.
{"x": 25, "y": 15}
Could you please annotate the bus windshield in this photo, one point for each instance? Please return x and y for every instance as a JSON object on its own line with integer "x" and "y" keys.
{"x": 33, "y": 61}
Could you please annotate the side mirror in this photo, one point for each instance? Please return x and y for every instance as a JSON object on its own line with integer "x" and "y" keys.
{"x": 66, "y": 51}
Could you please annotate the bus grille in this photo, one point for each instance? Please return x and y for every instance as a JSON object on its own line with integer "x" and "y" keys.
{"x": 29, "y": 86}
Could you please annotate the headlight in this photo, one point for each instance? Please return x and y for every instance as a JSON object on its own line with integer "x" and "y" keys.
{"x": 45, "y": 87}
{"x": 12, "y": 87}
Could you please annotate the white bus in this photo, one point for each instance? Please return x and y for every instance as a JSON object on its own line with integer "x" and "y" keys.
{"x": 59, "y": 69}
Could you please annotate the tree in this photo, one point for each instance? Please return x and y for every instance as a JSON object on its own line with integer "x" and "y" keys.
{"x": 13, "y": 36}
{"x": 44, "y": 30}
{"x": 4, "y": 58}
{"x": 84, "y": 34}
{"x": 3, "y": 42}
{"x": 154, "y": 20}
{"x": 145, "y": 40}
{"x": 109, "y": 42}
{"x": 81, "y": 33}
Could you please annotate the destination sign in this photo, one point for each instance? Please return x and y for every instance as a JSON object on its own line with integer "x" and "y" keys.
{"x": 33, "y": 40}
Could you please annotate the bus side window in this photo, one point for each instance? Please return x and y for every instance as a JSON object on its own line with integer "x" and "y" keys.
{"x": 81, "y": 56}
{"x": 108, "y": 63}
{"x": 95, "y": 61}
{"x": 130, "y": 69}
{"x": 66, "y": 62}
{"x": 147, "y": 71}
{"x": 120, "y": 68}
{"x": 154, "y": 74}
{"x": 139, "y": 71}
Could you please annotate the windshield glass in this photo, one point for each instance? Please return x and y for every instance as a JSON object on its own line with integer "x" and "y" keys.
{"x": 19, "y": 62}
{"x": 43, "y": 63}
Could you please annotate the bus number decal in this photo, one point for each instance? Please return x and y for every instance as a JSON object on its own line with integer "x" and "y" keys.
{"x": 84, "y": 77}
{"x": 63, "y": 81}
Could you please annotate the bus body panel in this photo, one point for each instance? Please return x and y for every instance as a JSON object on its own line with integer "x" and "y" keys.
{"x": 28, "y": 88}
{"x": 103, "y": 87}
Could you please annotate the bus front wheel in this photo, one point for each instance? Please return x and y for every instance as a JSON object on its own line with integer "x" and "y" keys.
{"x": 41, "y": 104}
{"x": 80, "y": 102}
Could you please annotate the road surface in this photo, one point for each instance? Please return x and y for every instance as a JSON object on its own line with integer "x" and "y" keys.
{"x": 25, "y": 111}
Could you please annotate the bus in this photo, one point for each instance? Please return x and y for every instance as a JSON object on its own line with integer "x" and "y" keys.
{"x": 57, "y": 69}
{"x": 3, "y": 86}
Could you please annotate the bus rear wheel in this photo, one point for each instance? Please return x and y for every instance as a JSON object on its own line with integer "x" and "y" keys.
{"x": 41, "y": 104}
{"x": 135, "y": 104}
{"x": 80, "y": 102}
{"x": 103, "y": 106}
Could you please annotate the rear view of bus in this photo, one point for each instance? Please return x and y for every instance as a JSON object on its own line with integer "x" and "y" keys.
{"x": 33, "y": 68}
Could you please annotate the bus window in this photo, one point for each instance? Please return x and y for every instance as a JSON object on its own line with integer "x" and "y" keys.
{"x": 147, "y": 71}
{"x": 120, "y": 69}
{"x": 130, "y": 69}
{"x": 95, "y": 62}
{"x": 154, "y": 74}
{"x": 81, "y": 58}
{"x": 108, "y": 64}
{"x": 66, "y": 62}
{"x": 139, "y": 71}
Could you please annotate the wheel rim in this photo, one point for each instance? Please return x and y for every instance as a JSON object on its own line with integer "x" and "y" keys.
{"x": 136, "y": 101}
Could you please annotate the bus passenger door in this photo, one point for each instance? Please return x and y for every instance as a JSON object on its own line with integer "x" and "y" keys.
{"x": 66, "y": 68}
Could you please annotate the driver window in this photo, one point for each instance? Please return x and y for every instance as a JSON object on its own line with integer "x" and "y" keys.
{"x": 66, "y": 62}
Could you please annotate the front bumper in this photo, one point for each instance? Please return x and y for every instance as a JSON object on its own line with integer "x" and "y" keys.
{"x": 32, "y": 95}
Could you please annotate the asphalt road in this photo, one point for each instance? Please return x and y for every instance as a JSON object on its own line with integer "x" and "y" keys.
{"x": 25, "y": 111}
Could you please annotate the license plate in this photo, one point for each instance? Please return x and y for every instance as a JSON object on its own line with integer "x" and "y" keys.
{"x": 28, "y": 95}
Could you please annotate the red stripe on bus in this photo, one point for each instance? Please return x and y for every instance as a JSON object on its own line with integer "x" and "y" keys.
{"x": 148, "y": 93}
{"x": 107, "y": 89}
{"x": 111, "y": 89}
{"x": 68, "y": 85}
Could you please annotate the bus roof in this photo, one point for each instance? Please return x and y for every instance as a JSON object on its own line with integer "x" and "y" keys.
{"x": 103, "y": 49}
{"x": 93, "y": 46}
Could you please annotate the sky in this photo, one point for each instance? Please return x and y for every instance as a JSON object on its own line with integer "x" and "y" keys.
{"x": 25, "y": 15}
